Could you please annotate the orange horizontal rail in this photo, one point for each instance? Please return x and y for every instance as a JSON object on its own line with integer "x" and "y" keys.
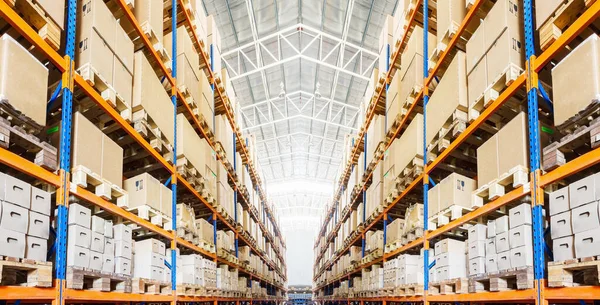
{"x": 572, "y": 293}
{"x": 27, "y": 293}
{"x": 72, "y": 295}
{"x": 500, "y": 296}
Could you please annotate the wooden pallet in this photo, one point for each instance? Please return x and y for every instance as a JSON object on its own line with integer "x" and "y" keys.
{"x": 208, "y": 246}
{"x": 106, "y": 91}
{"x": 145, "y": 126}
{"x": 409, "y": 290}
{"x": 516, "y": 177}
{"x": 513, "y": 279}
{"x": 412, "y": 235}
{"x": 583, "y": 135}
{"x": 574, "y": 272}
{"x": 25, "y": 272}
{"x": 35, "y": 15}
{"x": 450, "y": 213}
{"x": 190, "y": 290}
{"x": 452, "y": 128}
{"x": 154, "y": 216}
{"x": 190, "y": 173}
{"x": 147, "y": 286}
{"x": 85, "y": 178}
{"x": 453, "y": 286}
{"x": 157, "y": 45}
{"x": 443, "y": 44}
{"x": 562, "y": 18}
{"x": 392, "y": 246}
{"x": 85, "y": 279}
{"x": 492, "y": 92}
{"x": 405, "y": 178}
{"x": 15, "y": 137}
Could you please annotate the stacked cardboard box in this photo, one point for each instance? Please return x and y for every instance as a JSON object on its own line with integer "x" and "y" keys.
{"x": 401, "y": 270}
{"x": 188, "y": 64}
{"x": 149, "y": 260}
{"x": 374, "y": 240}
{"x": 450, "y": 260}
{"x": 198, "y": 271}
{"x": 394, "y": 230}
{"x": 450, "y": 16}
{"x": 149, "y": 16}
{"x": 225, "y": 240}
{"x": 105, "y": 50}
{"x": 145, "y": 190}
{"x": 575, "y": 220}
{"x": 213, "y": 44}
{"x": 205, "y": 230}
{"x": 25, "y": 221}
{"x": 454, "y": 190}
{"x": 494, "y": 50}
{"x": 477, "y": 243}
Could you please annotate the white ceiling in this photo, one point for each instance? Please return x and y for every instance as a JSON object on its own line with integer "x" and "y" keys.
{"x": 300, "y": 69}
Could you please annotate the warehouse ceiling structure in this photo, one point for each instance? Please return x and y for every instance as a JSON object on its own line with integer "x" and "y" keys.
{"x": 300, "y": 69}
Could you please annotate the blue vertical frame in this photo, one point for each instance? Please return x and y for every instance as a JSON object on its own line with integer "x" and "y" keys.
{"x": 426, "y": 176}
{"x": 174, "y": 179}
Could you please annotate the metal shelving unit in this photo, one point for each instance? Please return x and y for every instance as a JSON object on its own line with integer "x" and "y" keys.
{"x": 59, "y": 294}
{"x": 540, "y": 294}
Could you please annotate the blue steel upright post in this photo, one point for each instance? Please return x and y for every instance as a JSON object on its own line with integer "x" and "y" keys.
{"x": 235, "y": 195}
{"x": 62, "y": 198}
{"x": 174, "y": 177}
{"x": 537, "y": 193}
{"x": 426, "y": 175}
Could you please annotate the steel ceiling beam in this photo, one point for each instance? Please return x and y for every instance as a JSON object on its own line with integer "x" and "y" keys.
{"x": 299, "y": 116}
{"x": 297, "y": 94}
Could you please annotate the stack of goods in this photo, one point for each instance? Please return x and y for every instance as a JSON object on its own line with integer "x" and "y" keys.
{"x": 205, "y": 231}
{"x": 188, "y": 65}
{"x": 79, "y": 240}
{"x": 213, "y": 44}
{"x": 225, "y": 194}
{"x": 450, "y": 16}
{"x": 146, "y": 192}
{"x": 25, "y": 222}
{"x": 149, "y": 260}
{"x": 376, "y": 277}
{"x": 575, "y": 220}
{"x": 150, "y": 17}
{"x": 198, "y": 271}
{"x": 402, "y": 270}
{"x": 374, "y": 241}
{"x": 453, "y": 191}
{"x": 477, "y": 240}
{"x": 122, "y": 235}
{"x": 225, "y": 240}
{"x": 450, "y": 260}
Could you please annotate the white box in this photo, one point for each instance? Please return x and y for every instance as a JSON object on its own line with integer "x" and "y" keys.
{"x": 520, "y": 236}
{"x": 97, "y": 243}
{"x": 98, "y": 224}
{"x": 166, "y": 275}
{"x": 122, "y": 249}
{"x": 520, "y": 215}
{"x": 490, "y": 246}
{"x": 502, "y": 243}
{"x": 96, "y": 260}
{"x": 148, "y": 259}
{"x": 16, "y": 191}
{"x": 477, "y": 232}
{"x": 40, "y": 201}
{"x": 12, "y": 243}
{"x": 150, "y": 245}
{"x": 477, "y": 266}
{"x": 79, "y": 215}
{"x": 585, "y": 217}
{"x": 37, "y": 248}
{"x": 491, "y": 228}
{"x": 457, "y": 270}
{"x": 108, "y": 228}
{"x": 449, "y": 245}
{"x": 477, "y": 249}
{"x": 79, "y": 236}
{"x": 563, "y": 248}
{"x": 108, "y": 263}
{"x": 560, "y": 225}
{"x": 587, "y": 243}
{"x": 147, "y": 272}
{"x": 501, "y": 224}
{"x": 192, "y": 260}
{"x": 521, "y": 256}
{"x": 122, "y": 266}
{"x": 122, "y": 232}
{"x": 559, "y": 201}
{"x": 39, "y": 225}
{"x": 109, "y": 246}
{"x": 14, "y": 217}
{"x": 448, "y": 258}
{"x": 491, "y": 263}
{"x": 583, "y": 191}
{"x": 503, "y": 260}
{"x": 78, "y": 256}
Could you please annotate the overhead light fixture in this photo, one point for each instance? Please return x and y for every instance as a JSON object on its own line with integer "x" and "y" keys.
{"x": 317, "y": 92}
{"x": 282, "y": 91}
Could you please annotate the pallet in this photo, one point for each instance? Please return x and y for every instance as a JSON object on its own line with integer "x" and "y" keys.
{"x": 405, "y": 178}
{"x": 154, "y": 216}
{"x": 157, "y": 45}
{"x": 35, "y": 15}
{"x": 512, "y": 279}
{"x": 210, "y": 247}
{"x": 492, "y": 92}
{"x": 516, "y": 177}
{"x": 25, "y": 272}
{"x": 190, "y": 173}
{"x": 106, "y": 91}
{"x": 412, "y": 235}
{"x": 574, "y": 272}
{"x": 392, "y": 246}
{"x": 17, "y": 139}
{"x": 190, "y": 290}
{"x": 443, "y": 45}
{"x": 452, "y": 128}
{"x": 562, "y": 18}
{"x": 453, "y": 286}
{"x": 85, "y": 178}
{"x": 147, "y": 286}
{"x": 86, "y": 279}
{"x": 147, "y": 128}
{"x": 409, "y": 290}
{"x": 450, "y": 213}
{"x": 583, "y": 135}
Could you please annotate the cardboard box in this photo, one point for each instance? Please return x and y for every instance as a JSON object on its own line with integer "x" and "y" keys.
{"x": 97, "y": 242}
{"x": 477, "y": 83}
{"x": 491, "y": 228}
{"x": 36, "y": 249}
{"x": 185, "y": 46}
{"x": 487, "y": 161}
{"x": 477, "y": 232}
{"x": 433, "y": 196}
{"x": 521, "y": 256}
{"x": 560, "y": 225}
{"x": 39, "y": 225}
{"x": 449, "y": 245}
{"x": 149, "y": 15}
{"x": 520, "y": 215}
{"x": 79, "y": 236}
{"x": 78, "y": 256}
{"x": 123, "y": 249}
{"x": 96, "y": 260}
{"x": 544, "y": 10}
{"x": 456, "y": 189}
{"x": 476, "y": 48}
{"x": 122, "y": 232}
{"x": 501, "y": 224}
{"x": 559, "y": 201}
{"x": 191, "y": 147}
{"x": 502, "y": 242}
{"x": 504, "y": 261}
{"x": 55, "y": 10}
{"x": 12, "y": 243}
{"x": 585, "y": 217}
{"x": 112, "y": 161}
{"x": 571, "y": 97}
{"x": 490, "y": 245}
{"x": 123, "y": 49}
{"x": 166, "y": 200}
{"x": 40, "y": 201}
{"x": 150, "y": 245}
{"x": 150, "y": 95}
{"x": 477, "y": 265}
{"x": 412, "y": 80}
{"x": 108, "y": 263}
{"x": 98, "y": 224}
{"x": 94, "y": 15}
{"x": 507, "y": 52}
{"x": 477, "y": 248}
{"x": 143, "y": 189}
{"x": 563, "y": 248}
{"x": 123, "y": 265}
{"x": 87, "y": 145}
{"x": 109, "y": 246}
{"x": 79, "y": 215}
{"x": 513, "y": 145}
{"x": 491, "y": 263}
{"x": 15, "y": 191}
{"x": 414, "y": 46}
{"x": 93, "y": 49}
{"x": 449, "y": 18}
{"x": 14, "y": 217}
{"x": 584, "y": 191}
{"x": 122, "y": 82}
{"x": 520, "y": 236}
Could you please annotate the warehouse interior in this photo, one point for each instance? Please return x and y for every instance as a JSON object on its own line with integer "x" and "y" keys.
{"x": 299, "y": 152}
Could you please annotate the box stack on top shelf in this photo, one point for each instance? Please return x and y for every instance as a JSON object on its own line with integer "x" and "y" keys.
{"x": 115, "y": 228}
{"x": 484, "y": 144}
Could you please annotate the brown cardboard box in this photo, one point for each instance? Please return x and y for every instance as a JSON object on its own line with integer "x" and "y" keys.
{"x": 411, "y": 143}
{"x": 487, "y": 161}
{"x": 394, "y": 230}
{"x": 187, "y": 77}
{"x": 55, "y": 9}
{"x": 93, "y": 50}
{"x": 206, "y": 103}
{"x": 449, "y": 18}
{"x": 95, "y": 15}
{"x": 507, "y": 51}
{"x": 87, "y": 144}
{"x": 122, "y": 82}
{"x": 149, "y": 14}
{"x": 412, "y": 80}
{"x": 150, "y": 95}
{"x": 124, "y": 48}
{"x": 449, "y": 96}
{"x": 544, "y": 10}
{"x": 185, "y": 46}
{"x": 112, "y": 161}
{"x": 23, "y": 80}
{"x": 476, "y": 47}
{"x": 513, "y": 145}
{"x": 477, "y": 83}
{"x": 415, "y": 46}
{"x": 456, "y": 189}
{"x": 433, "y": 195}
{"x": 571, "y": 96}
{"x": 506, "y": 14}
{"x": 166, "y": 200}
{"x": 143, "y": 189}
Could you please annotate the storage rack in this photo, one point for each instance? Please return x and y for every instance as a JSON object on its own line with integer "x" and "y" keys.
{"x": 59, "y": 294}
{"x": 540, "y": 294}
